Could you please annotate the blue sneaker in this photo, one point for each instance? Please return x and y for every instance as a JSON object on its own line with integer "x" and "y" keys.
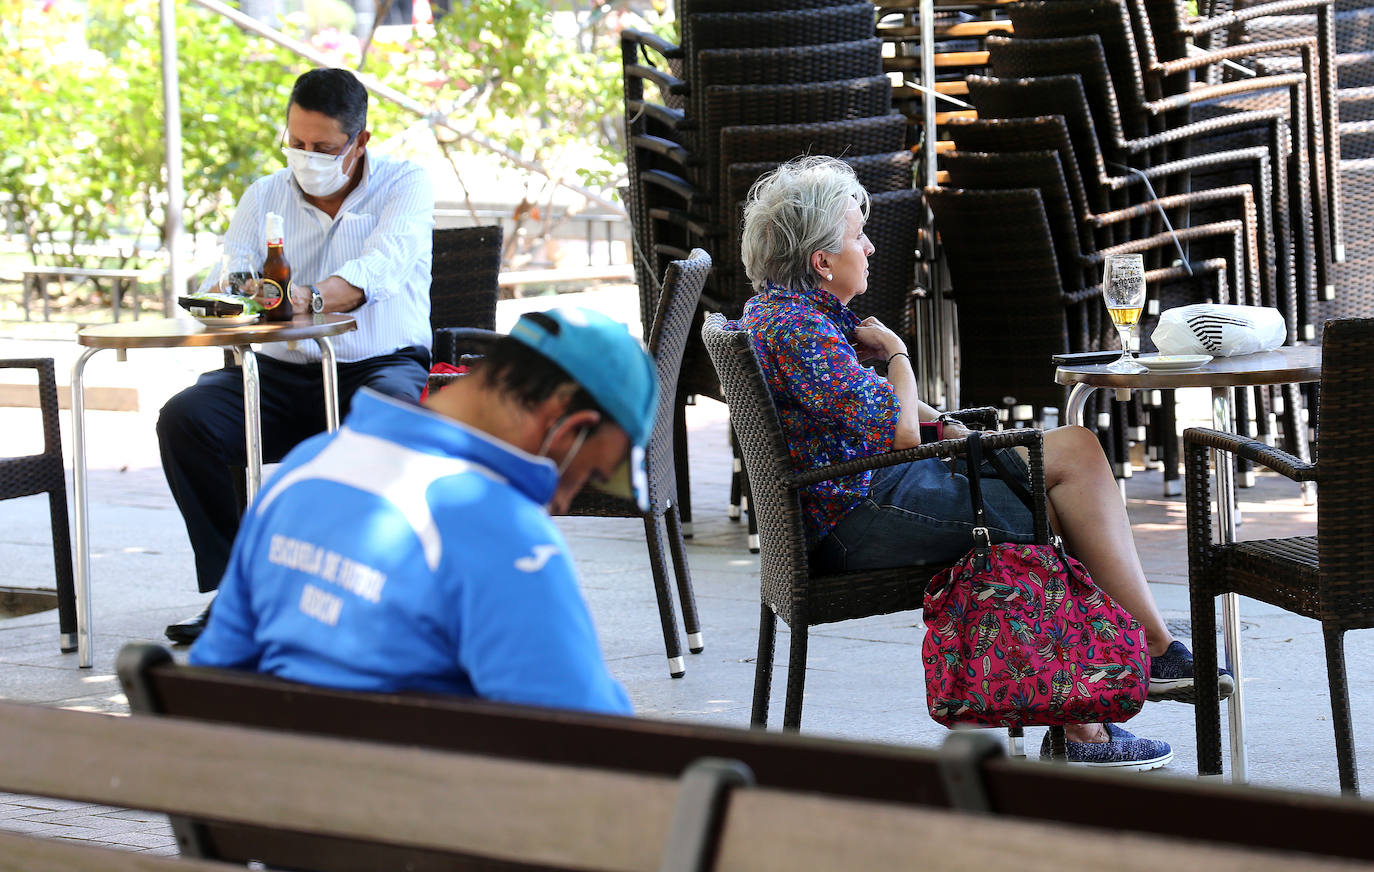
{"x": 1122, "y": 751}
{"x": 1171, "y": 676}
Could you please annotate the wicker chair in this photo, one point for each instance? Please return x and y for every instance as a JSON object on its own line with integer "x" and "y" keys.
{"x": 1064, "y": 95}
{"x": 789, "y": 588}
{"x": 1325, "y": 577}
{"x": 1142, "y": 117}
{"x": 1167, "y": 38}
{"x": 667, "y": 339}
{"x": 42, "y": 473}
{"x": 463, "y": 287}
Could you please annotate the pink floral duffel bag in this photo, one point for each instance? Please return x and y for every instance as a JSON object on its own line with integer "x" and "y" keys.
{"x": 1019, "y": 635}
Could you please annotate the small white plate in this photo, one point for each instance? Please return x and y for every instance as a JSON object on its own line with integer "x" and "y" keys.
{"x": 226, "y": 320}
{"x": 1174, "y": 362}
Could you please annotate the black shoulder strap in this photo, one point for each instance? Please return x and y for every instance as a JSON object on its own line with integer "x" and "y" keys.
{"x": 975, "y": 485}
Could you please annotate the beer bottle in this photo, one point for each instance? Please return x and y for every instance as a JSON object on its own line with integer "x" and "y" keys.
{"x": 276, "y": 274}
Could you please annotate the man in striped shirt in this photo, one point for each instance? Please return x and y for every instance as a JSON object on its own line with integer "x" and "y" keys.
{"x": 358, "y": 238}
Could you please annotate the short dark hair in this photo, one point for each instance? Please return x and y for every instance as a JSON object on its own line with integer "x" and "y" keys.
{"x": 333, "y": 92}
{"x": 530, "y": 378}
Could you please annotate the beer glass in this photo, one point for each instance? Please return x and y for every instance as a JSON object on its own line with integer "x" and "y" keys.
{"x": 1123, "y": 290}
{"x": 239, "y": 275}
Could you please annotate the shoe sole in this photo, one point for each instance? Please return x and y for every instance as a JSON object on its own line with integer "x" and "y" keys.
{"x": 1129, "y": 765}
{"x": 181, "y": 636}
{"x": 1183, "y": 689}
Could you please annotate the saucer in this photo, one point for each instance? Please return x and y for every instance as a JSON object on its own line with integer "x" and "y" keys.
{"x": 1174, "y": 362}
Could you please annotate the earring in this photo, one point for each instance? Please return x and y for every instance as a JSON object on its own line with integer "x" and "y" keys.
{"x": 829, "y": 277}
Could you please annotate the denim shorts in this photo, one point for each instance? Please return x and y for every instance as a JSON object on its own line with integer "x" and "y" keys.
{"x": 920, "y": 512}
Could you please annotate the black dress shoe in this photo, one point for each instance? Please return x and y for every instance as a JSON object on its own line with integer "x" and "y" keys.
{"x": 189, "y": 631}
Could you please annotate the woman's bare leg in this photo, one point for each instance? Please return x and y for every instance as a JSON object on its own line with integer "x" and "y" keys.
{"x": 1086, "y": 509}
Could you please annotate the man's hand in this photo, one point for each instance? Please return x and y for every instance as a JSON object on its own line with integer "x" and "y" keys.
{"x": 872, "y": 339}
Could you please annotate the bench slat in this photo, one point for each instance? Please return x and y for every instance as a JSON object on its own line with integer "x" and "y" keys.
{"x": 19, "y": 853}
{"x": 557, "y": 815}
{"x": 770, "y": 831}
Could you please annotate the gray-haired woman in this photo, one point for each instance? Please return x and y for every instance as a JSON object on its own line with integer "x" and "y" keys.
{"x": 805, "y": 250}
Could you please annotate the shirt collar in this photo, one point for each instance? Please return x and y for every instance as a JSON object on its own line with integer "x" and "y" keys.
{"x": 823, "y": 301}
{"x": 422, "y": 429}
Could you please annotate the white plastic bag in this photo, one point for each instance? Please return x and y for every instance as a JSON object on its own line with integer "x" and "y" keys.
{"x": 1221, "y": 331}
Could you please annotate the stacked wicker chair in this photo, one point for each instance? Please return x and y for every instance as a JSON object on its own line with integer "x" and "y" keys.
{"x": 1173, "y": 123}
{"x": 751, "y": 84}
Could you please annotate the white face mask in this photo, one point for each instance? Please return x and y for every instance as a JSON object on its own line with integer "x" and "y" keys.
{"x": 319, "y": 175}
{"x": 567, "y": 458}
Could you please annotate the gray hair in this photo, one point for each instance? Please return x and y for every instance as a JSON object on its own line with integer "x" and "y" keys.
{"x": 793, "y": 212}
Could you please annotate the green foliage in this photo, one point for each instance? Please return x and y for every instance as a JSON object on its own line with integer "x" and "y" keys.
{"x": 81, "y": 142}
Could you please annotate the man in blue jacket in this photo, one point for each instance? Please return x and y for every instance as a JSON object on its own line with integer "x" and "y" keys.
{"x": 413, "y": 550}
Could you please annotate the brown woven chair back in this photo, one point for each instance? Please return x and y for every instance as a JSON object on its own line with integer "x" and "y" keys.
{"x": 463, "y": 287}
{"x": 790, "y": 64}
{"x": 736, "y": 29}
{"x": 1007, "y": 291}
{"x": 32, "y": 474}
{"x": 783, "y": 553}
{"x": 670, "y": 328}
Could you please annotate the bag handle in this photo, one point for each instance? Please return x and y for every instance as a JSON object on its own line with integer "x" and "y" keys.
{"x": 981, "y": 548}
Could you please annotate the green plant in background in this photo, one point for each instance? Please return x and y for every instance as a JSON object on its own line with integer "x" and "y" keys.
{"x": 81, "y": 144}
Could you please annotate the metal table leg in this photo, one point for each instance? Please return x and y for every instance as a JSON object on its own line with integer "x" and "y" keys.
{"x": 84, "y": 648}
{"x": 1230, "y": 602}
{"x": 329, "y": 370}
{"x": 1078, "y": 401}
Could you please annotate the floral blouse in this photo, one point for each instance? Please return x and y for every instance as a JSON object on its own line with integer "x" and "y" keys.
{"x": 832, "y": 408}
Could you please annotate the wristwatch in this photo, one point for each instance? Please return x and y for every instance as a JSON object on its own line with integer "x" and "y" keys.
{"x": 316, "y": 300}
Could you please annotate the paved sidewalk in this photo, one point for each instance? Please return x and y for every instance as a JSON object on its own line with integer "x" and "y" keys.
{"x": 864, "y": 678}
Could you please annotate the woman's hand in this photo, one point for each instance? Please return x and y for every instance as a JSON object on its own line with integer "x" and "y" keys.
{"x": 872, "y": 339}
{"x": 953, "y": 429}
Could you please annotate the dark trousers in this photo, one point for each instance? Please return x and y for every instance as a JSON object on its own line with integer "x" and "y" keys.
{"x": 200, "y": 433}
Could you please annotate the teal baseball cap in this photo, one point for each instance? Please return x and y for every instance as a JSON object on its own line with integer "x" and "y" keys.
{"x": 601, "y": 355}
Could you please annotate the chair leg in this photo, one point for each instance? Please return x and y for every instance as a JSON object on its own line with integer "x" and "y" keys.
{"x": 1207, "y": 708}
{"x": 796, "y": 675}
{"x": 680, "y": 468}
{"x": 1168, "y": 433}
{"x": 763, "y": 667}
{"x": 736, "y": 479}
{"x": 667, "y": 615}
{"x": 62, "y": 562}
{"x": 691, "y": 622}
{"x": 1340, "y": 710}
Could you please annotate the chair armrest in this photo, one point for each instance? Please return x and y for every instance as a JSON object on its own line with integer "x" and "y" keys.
{"x": 1227, "y": 89}
{"x": 451, "y": 343}
{"x": 1220, "y": 124}
{"x": 1276, "y": 459}
{"x": 653, "y": 41}
{"x": 1193, "y": 198}
{"x": 1207, "y": 25}
{"x": 945, "y": 448}
{"x": 1305, "y": 44}
{"x": 976, "y": 418}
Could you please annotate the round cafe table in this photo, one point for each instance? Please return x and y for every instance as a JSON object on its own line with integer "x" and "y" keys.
{"x": 1288, "y": 365}
{"x": 187, "y": 333}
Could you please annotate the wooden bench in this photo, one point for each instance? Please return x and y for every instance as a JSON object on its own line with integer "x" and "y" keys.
{"x": 36, "y": 278}
{"x": 335, "y": 780}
